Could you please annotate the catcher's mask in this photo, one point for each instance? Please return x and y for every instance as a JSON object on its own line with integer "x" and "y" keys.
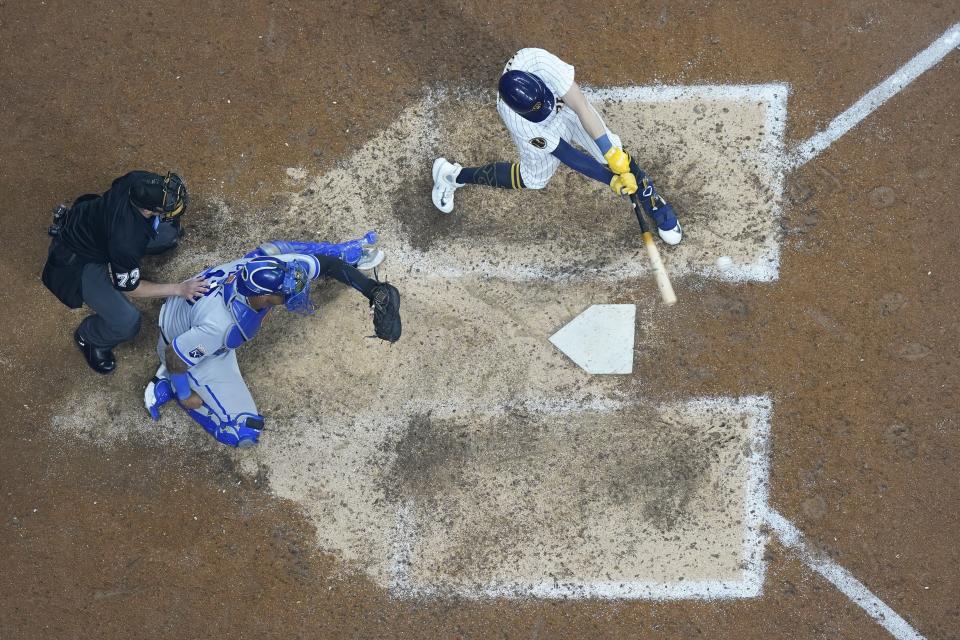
{"x": 267, "y": 275}
{"x": 165, "y": 194}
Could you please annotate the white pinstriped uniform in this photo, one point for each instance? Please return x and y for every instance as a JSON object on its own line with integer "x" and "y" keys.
{"x": 536, "y": 140}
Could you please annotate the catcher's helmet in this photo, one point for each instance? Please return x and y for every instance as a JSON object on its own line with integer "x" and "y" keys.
{"x": 167, "y": 194}
{"x": 266, "y": 275}
{"x": 526, "y": 94}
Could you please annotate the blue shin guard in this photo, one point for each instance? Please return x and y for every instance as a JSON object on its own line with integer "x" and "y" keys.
{"x": 350, "y": 251}
{"x": 243, "y": 431}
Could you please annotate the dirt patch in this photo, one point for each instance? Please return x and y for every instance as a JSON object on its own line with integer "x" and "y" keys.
{"x": 87, "y": 94}
{"x": 513, "y": 500}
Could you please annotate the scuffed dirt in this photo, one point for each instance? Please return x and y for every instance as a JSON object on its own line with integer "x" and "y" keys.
{"x": 101, "y": 540}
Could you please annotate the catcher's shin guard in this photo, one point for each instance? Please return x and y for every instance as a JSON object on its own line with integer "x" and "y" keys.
{"x": 243, "y": 431}
{"x": 359, "y": 253}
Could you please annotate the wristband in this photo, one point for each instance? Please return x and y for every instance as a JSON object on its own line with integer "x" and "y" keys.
{"x": 181, "y": 386}
{"x": 604, "y": 143}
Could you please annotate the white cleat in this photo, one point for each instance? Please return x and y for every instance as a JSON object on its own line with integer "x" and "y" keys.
{"x": 671, "y": 236}
{"x": 371, "y": 259}
{"x": 444, "y": 183}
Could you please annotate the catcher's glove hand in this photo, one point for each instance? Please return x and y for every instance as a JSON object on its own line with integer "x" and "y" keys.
{"x": 386, "y": 312}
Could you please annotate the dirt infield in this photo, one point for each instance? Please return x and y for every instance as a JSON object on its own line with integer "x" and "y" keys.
{"x": 434, "y": 488}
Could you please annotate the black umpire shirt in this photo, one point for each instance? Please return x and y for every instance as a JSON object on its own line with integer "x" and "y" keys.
{"x": 110, "y": 230}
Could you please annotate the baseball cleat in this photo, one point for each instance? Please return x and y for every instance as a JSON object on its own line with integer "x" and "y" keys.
{"x": 371, "y": 259}
{"x": 667, "y": 224}
{"x": 671, "y": 236}
{"x": 157, "y": 394}
{"x": 444, "y": 183}
{"x": 100, "y": 359}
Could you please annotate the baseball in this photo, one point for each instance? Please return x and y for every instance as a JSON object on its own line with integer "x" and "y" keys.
{"x": 724, "y": 262}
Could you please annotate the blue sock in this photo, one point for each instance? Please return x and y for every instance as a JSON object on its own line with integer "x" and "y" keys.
{"x": 505, "y": 175}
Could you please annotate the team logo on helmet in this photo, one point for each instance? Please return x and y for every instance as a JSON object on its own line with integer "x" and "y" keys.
{"x": 537, "y": 106}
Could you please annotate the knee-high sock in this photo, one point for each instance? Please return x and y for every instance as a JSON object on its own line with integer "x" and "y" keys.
{"x": 505, "y": 175}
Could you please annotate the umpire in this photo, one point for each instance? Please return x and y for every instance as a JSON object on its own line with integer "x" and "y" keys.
{"x": 95, "y": 257}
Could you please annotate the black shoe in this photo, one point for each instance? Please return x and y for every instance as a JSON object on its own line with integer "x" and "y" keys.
{"x": 100, "y": 359}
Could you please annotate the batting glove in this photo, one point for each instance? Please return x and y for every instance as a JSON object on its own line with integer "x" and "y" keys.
{"x": 618, "y": 160}
{"x": 624, "y": 184}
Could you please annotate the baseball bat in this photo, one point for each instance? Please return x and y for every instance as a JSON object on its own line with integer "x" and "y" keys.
{"x": 659, "y": 271}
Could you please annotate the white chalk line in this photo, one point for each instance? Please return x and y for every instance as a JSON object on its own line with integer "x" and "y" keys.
{"x": 758, "y": 512}
{"x": 788, "y": 534}
{"x": 876, "y": 97}
{"x": 842, "y": 579}
{"x": 768, "y": 92}
{"x": 749, "y": 585}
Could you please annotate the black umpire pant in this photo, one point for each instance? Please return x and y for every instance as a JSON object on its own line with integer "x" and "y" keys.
{"x": 115, "y": 319}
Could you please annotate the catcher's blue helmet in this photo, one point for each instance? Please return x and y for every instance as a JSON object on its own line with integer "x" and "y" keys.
{"x": 526, "y": 94}
{"x": 266, "y": 275}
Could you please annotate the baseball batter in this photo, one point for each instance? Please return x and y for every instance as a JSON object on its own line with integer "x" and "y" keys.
{"x": 546, "y": 113}
{"x": 198, "y": 363}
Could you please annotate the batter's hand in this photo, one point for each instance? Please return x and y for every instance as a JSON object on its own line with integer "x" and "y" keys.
{"x": 618, "y": 160}
{"x": 195, "y": 288}
{"x": 624, "y": 184}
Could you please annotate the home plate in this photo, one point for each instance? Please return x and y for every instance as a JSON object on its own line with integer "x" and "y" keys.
{"x": 600, "y": 340}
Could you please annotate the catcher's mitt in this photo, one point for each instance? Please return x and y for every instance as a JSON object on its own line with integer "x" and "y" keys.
{"x": 386, "y": 312}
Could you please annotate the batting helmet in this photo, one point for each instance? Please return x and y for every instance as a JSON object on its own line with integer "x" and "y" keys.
{"x": 266, "y": 275}
{"x": 167, "y": 194}
{"x": 526, "y": 94}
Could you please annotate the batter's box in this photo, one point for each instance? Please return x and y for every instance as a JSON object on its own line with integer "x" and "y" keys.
{"x": 716, "y": 152}
{"x": 631, "y": 502}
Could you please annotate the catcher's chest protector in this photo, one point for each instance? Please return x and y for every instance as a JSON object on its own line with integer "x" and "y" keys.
{"x": 246, "y": 321}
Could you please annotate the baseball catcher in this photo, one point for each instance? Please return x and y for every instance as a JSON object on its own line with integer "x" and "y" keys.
{"x": 198, "y": 363}
{"x": 545, "y": 111}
